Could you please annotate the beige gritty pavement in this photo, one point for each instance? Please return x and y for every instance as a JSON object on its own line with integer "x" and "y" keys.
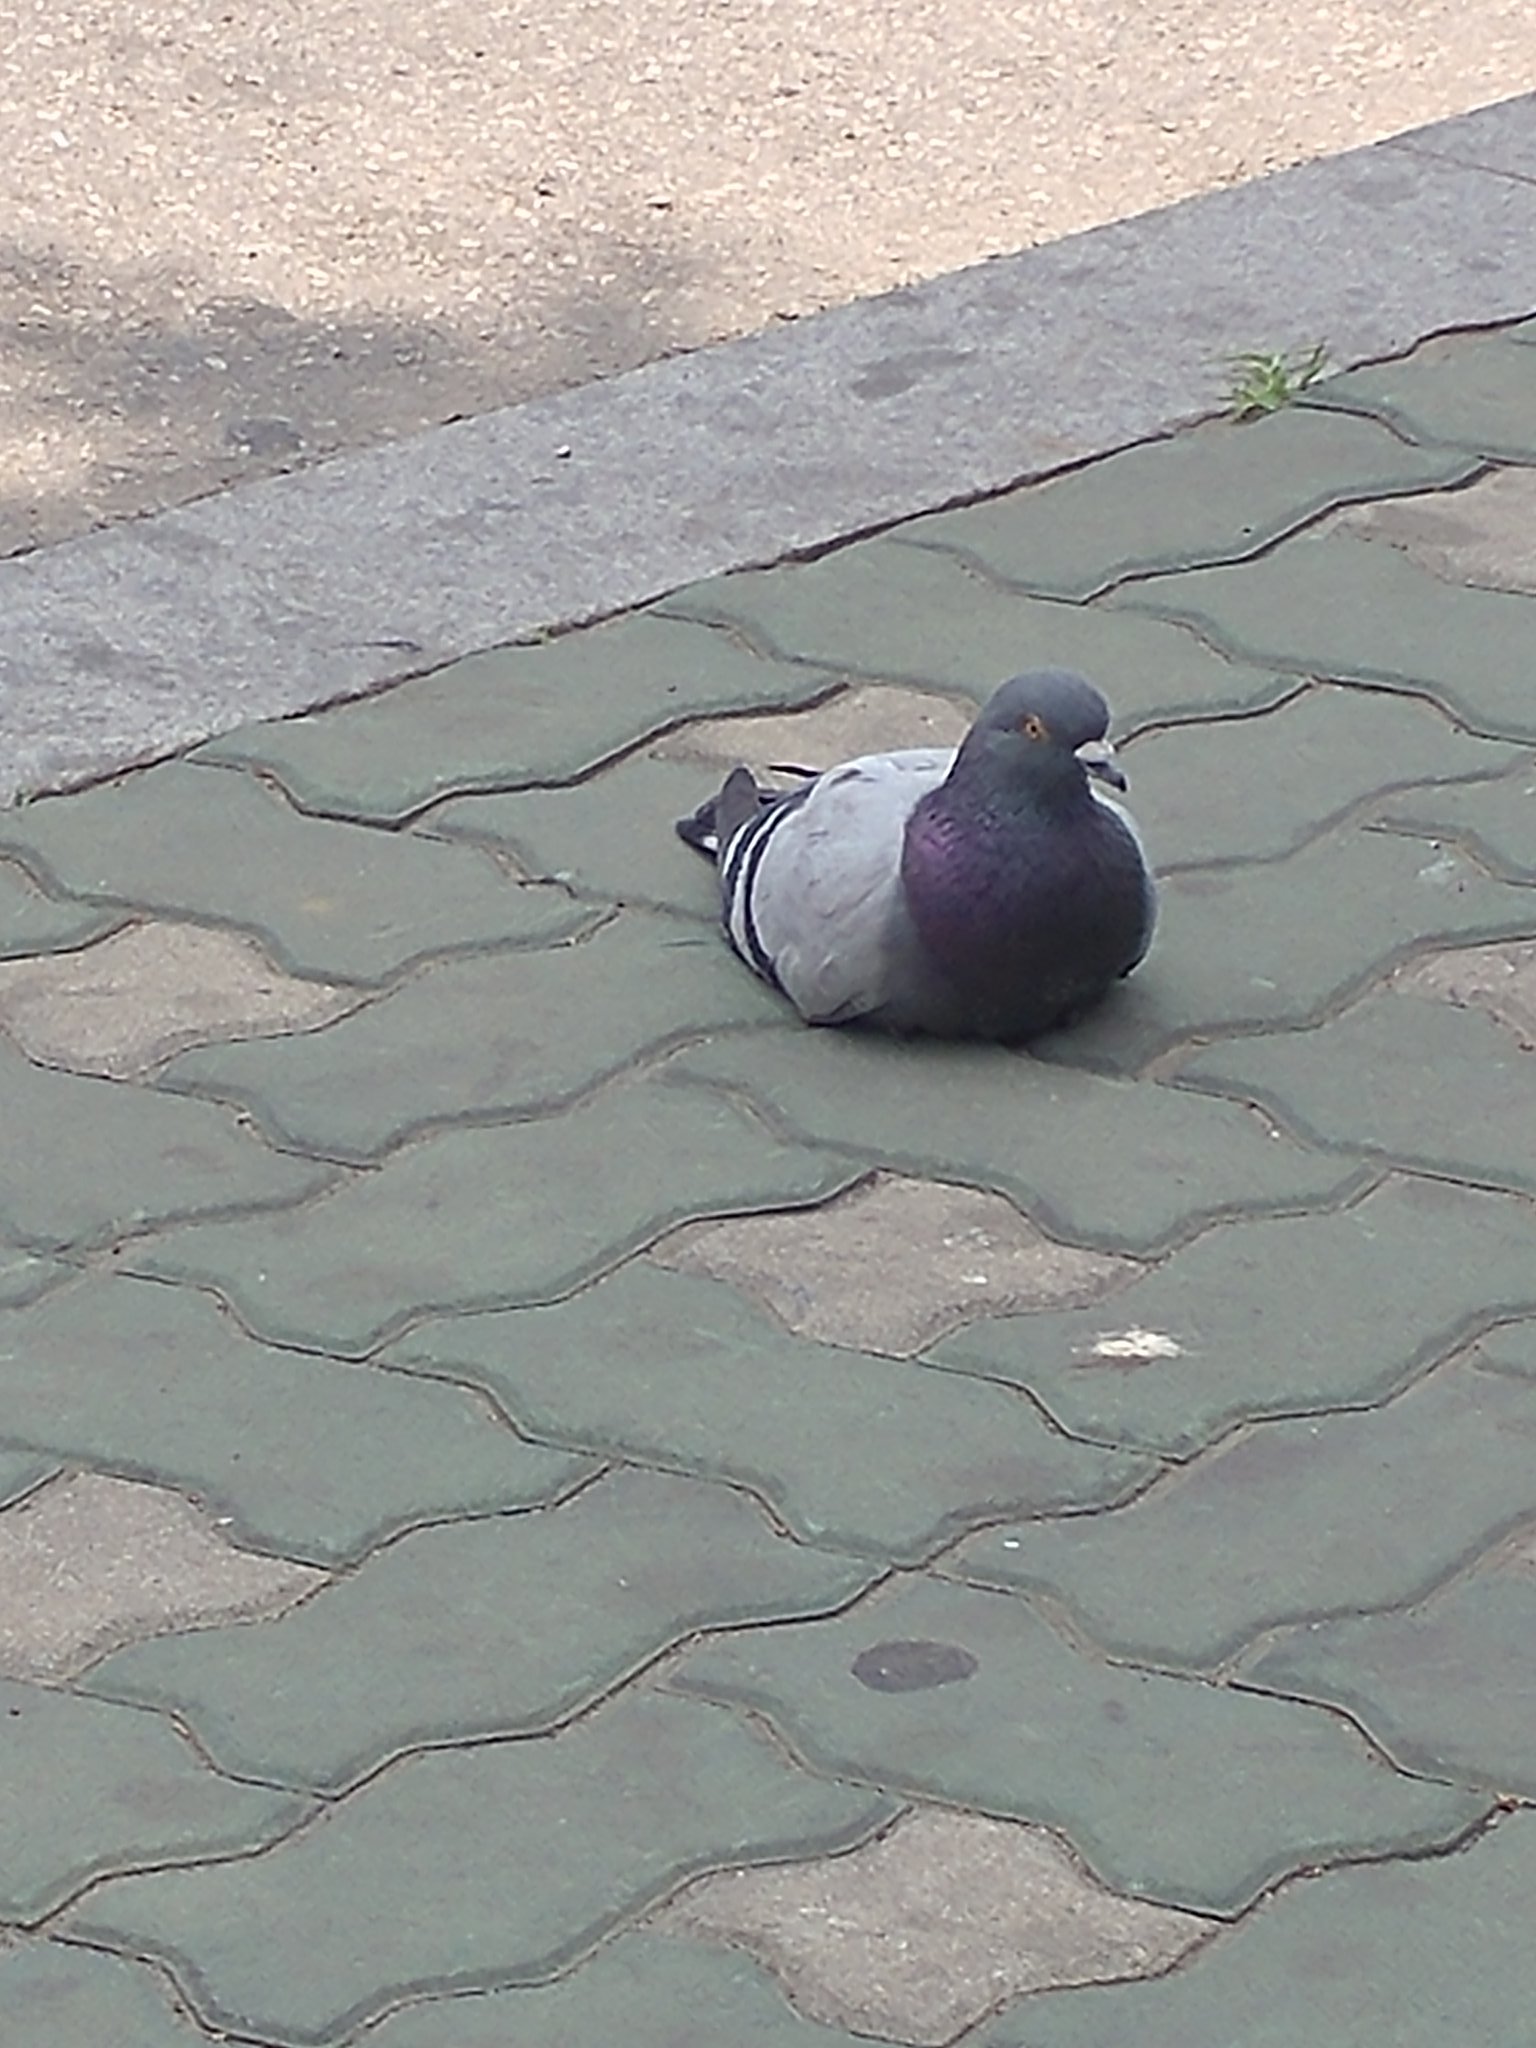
{"x": 236, "y": 240}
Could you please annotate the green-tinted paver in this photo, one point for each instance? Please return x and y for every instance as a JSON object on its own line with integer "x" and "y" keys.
{"x": 866, "y": 1454}
{"x": 307, "y": 1456}
{"x": 906, "y": 614}
{"x": 1184, "y": 1793}
{"x": 23, "y": 1278}
{"x": 514, "y": 716}
{"x": 1446, "y": 1690}
{"x": 333, "y": 900}
{"x": 1252, "y": 788}
{"x": 1401, "y": 1076}
{"x": 20, "y": 1471}
{"x": 56, "y": 1995}
{"x": 31, "y": 922}
{"x": 84, "y": 1161}
{"x": 1239, "y": 948}
{"x": 547, "y": 1612}
{"x": 477, "y": 1867}
{"x": 643, "y": 1990}
{"x": 90, "y": 1788}
{"x": 492, "y": 1035}
{"x": 1418, "y": 1955}
{"x": 1272, "y": 1317}
{"x": 492, "y": 1218}
{"x": 1497, "y": 819}
{"x": 1217, "y": 492}
{"x": 1312, "y": 1517}
{"x": 1474, "y": 393}
{"x": 1339, "y": 607}
{"x": 1093, "y": 1160}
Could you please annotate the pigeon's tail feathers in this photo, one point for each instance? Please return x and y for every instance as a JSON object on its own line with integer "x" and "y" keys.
{"x": 710, "y": 829}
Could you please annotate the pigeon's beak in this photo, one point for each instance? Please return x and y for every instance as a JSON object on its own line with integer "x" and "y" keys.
{"x": 1098, "y": 757}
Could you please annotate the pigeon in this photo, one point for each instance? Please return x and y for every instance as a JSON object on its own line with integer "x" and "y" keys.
{"x": 990, "y": 891}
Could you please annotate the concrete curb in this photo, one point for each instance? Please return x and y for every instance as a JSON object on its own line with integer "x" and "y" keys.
{"x": 137, "y": 640}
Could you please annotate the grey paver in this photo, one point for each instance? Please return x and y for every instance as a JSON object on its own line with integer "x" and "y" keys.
{"x": 513, "y": 717}
{"x": 54, "y": 1992}
{"x": 31, "y": 922}
{"x": 23, "y": 1277}
{"x": 548, "y": 1612}
{"x": 1419, "y": 1954}
{"x": 1209, "y": 495}
{"x": 1180, "y": 1792}
{"x": 326, "y": 899}
{"x": 1092, "y": 1160}
{"x": 1476, "y": 392}
{"x": 1482, "y": 535}
{"x": 1272, "y": 1317}
{"x": 1307, "y": 1518}
{"x": 1497, "y": 819}
{"x": 489, "y": 1036}
{"x": 475, "y": 1867}
{"x": 464, "y": 1219}
{"x": 692, "y": 1377}
{"x": 91, "y": 1789}
{"x": 20, "y": 1471}
{"x": 303, "y": 1455}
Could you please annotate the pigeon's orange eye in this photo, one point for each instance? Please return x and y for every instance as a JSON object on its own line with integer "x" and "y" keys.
{"x": 1033, "y": 726}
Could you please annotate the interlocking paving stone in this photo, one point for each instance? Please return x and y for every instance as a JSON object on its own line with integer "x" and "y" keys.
{"x": 1208, "y": 495}
{"x": 1400, "y": 1076}
{"x": 491, "y": 1035}
{"x": 476, "y": 1867}
{"x": 1339, "y": 607}
{"x": 303, "y": 1455}
{"x": 1498, "y": 980}
{"x": 1312, "y": 1517}
{"x": 1243, "y": 947}
{"x": 1418, "y": 1954}
{"x": 89, "y": 1563}
{"x": 872, "y": 1457}
{"x": 465, "y": 1219}
{"x": 121, "y": 1007}
{"x": 1271, "y": 1318}
{"x": 1183, "y": 1793}
{"x": 1446, "y": 1689}
{"x": 892, "y": 1265}
{"x": 1497, "y": 819}
{"x": 905, "y": 614}
{"x": 1252, "y": 788}
{"x": 31, "y": 922}
{"x": 23, "y": 1277}
{"x": 919, "y": 1935}
{"x": 85, "y": 1161}
{"x": 1485, "y": 535}
{"x": 1471, "y": 392}
{"x": 643, "y": 1990}
{"x": 514, "y": 716}
{"x": 868, "y": 719}
{"x": 90, "y": 1789}
{"x": 548, "y": 1611}
{"x": 1095, "y": 1161}
{"x": 327, "y": 899}
{"x": 20, "y": 1471}
{"x": 57, "y": 1995}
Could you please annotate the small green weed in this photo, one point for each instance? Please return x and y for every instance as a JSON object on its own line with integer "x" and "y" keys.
{"x": 1267, "y": 380}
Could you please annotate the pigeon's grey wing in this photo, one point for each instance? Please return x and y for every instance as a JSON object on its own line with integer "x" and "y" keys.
{"x": 812, "y": 888}
{"x": 1149, "y": 886}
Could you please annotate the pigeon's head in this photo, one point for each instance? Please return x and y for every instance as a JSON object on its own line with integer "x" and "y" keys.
{"x": 1046, "y": 727}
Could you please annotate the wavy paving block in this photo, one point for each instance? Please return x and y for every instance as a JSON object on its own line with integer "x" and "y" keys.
{"x": 21, "y": 1471}
{"x": 1271, "y": 1317}
{"x": 1208, "y": 495}
{"x": 464, "y": 1219}
{"x": 679, "y": 1371}
{"x": 904, "y": 614}
{"x": 1484, "y": 535}
{"x": 1295, "y": 1519}
{"x": 31, "y": 922}
{"x": 1418, "y": 1954}
{"x": 548, "y": 1612}
{"x": 86, "y": 1161}
{"x": 1445, "y": 1689}
{"x": 494, "y": 1035}
{"x": 1472, "y": 392}
{"x": 869, "y": 719}
{"x": 58, "y": 1995}
{"x": 513, "y": 716}
{"x": 326, "y": 899}
{"x": 299, "y": 1454}
{"x": 1183, "y": 1793}
{"x": 475, "y": 1868}
{"x": 1356, "y": 610}
{"x": 1401, "y": 1077}
{"x": 1098, "y": 1162}
{"x": 1242, "y": 949}
{"x": 1497, "y": 819}
{"x": 91, "y": 1789}
{"x": 23, "y": 1277}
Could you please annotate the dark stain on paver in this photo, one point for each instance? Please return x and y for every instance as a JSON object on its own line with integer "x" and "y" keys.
{"x": 912, "y": 1666}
